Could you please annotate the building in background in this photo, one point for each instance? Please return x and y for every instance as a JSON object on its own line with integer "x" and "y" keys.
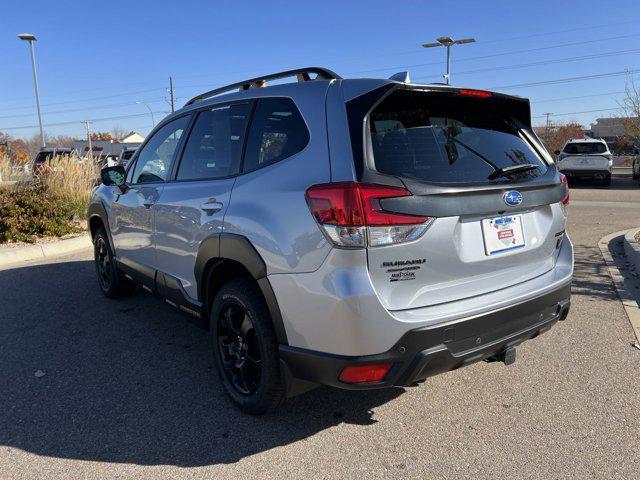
{"x": 610, "y": 129}
{"x": 133, "y": 139}
{"x": 103, "y": 149}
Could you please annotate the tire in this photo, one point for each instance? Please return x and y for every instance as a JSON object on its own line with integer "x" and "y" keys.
{"x": 606, "y": 182}
{"x": 111, "y": 282}
{"x": 245, "y": 348}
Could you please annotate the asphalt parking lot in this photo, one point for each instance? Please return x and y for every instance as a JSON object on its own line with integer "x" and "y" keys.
{"x": 93, "y": 388}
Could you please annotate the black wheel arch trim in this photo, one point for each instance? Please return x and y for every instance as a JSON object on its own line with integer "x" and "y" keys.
{"x": 97, "y": 210}
{"x": 229, "y": 246}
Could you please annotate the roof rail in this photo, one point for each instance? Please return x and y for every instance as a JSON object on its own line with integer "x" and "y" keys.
{"x": 302, "y": 75}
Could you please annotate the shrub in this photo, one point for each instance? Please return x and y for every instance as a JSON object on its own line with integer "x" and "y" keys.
{"x": 36, "y": 210}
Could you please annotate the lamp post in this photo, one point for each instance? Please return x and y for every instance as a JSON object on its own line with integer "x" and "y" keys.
{"x": 32, "y": 38}
{"x": 140, "y": 102}
{"x": 448, "y": 42}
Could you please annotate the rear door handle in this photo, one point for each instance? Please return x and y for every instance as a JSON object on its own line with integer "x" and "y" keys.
{"x": 211, "y": 207}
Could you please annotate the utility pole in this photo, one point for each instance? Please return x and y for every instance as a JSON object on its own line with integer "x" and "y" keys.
{"x": 87, "y": 125}
{"x": 547, "y": 128}
{"x": 171, "y": 92}
{"x": 448, "y": 42}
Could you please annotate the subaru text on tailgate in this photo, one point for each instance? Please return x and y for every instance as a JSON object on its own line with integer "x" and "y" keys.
{"x": 358, "y": 233}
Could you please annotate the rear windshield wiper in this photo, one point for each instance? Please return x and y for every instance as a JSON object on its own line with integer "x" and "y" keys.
{"x": 506, "y": 171}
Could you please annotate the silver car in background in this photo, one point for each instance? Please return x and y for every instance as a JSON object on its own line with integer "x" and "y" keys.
{"x": 358, "y": 233}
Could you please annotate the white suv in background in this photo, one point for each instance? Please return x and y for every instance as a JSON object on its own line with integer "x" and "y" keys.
{"x": 586, "y": 158}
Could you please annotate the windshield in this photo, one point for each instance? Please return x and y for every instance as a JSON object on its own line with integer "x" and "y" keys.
{"x": 585, "y": 148}
{"x": 446, "y": 138}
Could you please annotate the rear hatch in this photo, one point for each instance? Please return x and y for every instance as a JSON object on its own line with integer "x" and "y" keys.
{"x": 474, "y": 167}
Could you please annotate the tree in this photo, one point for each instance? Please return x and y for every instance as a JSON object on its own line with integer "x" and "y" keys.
{"x": 118, "y": 133}
{"x": 630, "y": 106}
{"x": 101, "y": 136}
{"x": 555, "y": 136}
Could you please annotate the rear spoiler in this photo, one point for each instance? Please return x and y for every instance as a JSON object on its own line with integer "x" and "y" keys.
{"x": 516, "y": 107}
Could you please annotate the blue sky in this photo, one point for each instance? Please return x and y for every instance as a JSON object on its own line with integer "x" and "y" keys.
{"x": 95, "y": 62}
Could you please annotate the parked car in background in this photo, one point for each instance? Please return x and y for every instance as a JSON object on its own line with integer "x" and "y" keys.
{"x": 42, "y": 162}
{"x": 358, "y": 233}
{"x": 125, "y": 155}
{"x": 586, "y": 159}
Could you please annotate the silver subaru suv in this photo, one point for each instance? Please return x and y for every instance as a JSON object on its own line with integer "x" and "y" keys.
{"x": 357, "y": 233}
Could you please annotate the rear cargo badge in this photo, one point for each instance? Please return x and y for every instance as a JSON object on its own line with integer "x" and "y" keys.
{"x": 512, "y": 198}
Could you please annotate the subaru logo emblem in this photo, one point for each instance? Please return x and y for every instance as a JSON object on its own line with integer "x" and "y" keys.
{"x": 512, "y": 198}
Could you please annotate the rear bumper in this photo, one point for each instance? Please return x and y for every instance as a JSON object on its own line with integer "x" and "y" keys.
{"x": 587, "y": 173}
{"x": 430, "y": 350}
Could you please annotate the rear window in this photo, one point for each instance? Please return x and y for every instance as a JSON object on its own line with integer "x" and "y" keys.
{"x": 585, "y": 148}
{"x": 446, "y": 138}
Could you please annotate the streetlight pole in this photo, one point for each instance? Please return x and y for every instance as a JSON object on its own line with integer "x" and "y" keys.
{"x": 32, "y": 38}
{"x": 448, "y": 42}
{"x": 140, "y": 102}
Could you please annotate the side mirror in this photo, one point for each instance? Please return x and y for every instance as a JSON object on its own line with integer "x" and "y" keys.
{"x": 114, "y": 176}
{"x": 557, "y": 152}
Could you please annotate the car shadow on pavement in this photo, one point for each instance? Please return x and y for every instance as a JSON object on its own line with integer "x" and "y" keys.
{"x": 131, "y": 381}
{"x": 618, "y": 182}
{"x": 591, "y": 277}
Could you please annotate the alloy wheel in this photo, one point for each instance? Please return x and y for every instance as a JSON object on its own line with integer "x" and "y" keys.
{"x": 103, "y": 263}
{"x": 239, "y": 349}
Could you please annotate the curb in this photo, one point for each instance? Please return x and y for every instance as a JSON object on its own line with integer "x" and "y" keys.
{"x": 9, "y": 256}
{"x": 629, "y": 301}
{"x": 632, "y": 248}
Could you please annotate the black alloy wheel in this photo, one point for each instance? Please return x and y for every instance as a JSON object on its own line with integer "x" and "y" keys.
{"x": 238, "y": 348}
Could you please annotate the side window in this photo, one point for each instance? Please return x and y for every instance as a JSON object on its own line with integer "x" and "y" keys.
{"x": 154, "y": 160}
{"x": 214, "y": 146}
{"x": 277, "y": 131}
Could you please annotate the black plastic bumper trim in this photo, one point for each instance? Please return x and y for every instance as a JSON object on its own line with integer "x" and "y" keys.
{"x": 427, "y": 351}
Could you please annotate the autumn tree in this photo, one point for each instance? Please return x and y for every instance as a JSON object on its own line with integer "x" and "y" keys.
{"x": 101, "y": 136}
{"x": 630, "y": 106}
{"x": 554, "y": 136}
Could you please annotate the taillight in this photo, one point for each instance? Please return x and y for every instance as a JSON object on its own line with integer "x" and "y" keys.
{"x": 565, "y": 200}
{"x": 364, "y": 373}
{"x": 565, "y": 182}
{"x": 468, "y": 92}
{"x": 351, "y": 216}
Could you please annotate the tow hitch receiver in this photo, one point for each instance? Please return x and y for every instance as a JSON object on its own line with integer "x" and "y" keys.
{"x": 508, "y": 356}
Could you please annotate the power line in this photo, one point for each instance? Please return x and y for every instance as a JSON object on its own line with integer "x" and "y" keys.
{"x": 82, "y": 109}
{"x": 90, "y": 99}
{"x": 543, "y": 62}
{"x": 371, "y": 70}
{"x": 513, "y": 52}
{"x": 418, "y": 51}
{"x": 576, "y": 97}
{"x": 565, "y": 80}
{"x": 575, "y": 113}
{"x": 120, "y": 117}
